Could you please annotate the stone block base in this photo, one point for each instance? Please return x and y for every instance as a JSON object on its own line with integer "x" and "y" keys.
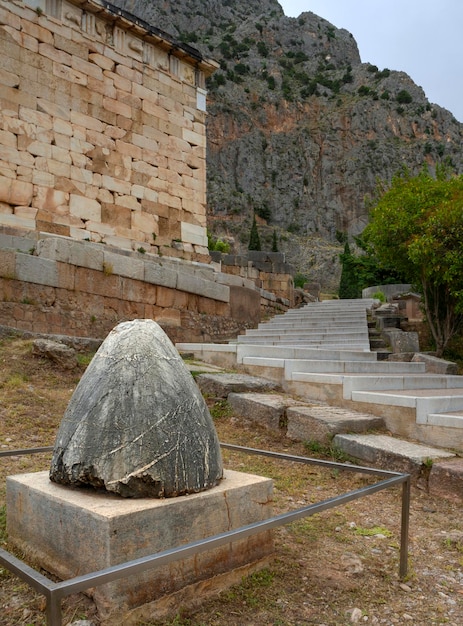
{"x": 70, "y": 532}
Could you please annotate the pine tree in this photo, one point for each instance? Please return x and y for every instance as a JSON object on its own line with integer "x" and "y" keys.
{"x": 254, "y": 240}
{"x": 349, "y": 284}
{"x": 274, "y": 242}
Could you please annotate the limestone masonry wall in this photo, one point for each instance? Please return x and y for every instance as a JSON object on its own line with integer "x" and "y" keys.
{"x": 103, "y": 180}
{"x": 102, "y": 129}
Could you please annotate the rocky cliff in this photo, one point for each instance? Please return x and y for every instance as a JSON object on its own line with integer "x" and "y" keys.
{"x": 299, "y": 129}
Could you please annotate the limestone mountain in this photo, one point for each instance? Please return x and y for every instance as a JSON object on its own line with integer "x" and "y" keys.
{"x": 299, "y": 128}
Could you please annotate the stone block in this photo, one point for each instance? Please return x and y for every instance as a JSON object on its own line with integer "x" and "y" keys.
{"x": 86, "y": 255}
{"x": 446, "y": 479}
{"x": 245, "y": 304}
{"x": 70, "y": 532}
{"x": 123, "y": 266}
{"x": 33, "y": 269}
{"x": 401, "y": 341}
{"x": 15, "y": 192}
{"x": 321, "y": 423}
{"x": 7, "y": 263}
{"x": 158, "y": 274}
{"x": 267, "y": 409}
{"x": 193, "y": 234}
{"x": 169, "y": 317}
{"x": 84, "y": 208}
{"x": 435, "y": 365}
{"x": 206, "y": 288}
{"x": 221, "y": 385}
{"x": 17, "y": 222}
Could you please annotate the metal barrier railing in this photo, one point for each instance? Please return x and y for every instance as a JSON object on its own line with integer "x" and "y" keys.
{"x": 55, "y": 591}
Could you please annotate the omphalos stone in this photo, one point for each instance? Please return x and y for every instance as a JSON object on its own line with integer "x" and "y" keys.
{"x": 137, "y": 424}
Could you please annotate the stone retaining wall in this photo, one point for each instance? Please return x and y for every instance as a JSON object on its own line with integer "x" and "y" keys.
{"x": 56, "y": 285}
{"x": 266, "y": 270}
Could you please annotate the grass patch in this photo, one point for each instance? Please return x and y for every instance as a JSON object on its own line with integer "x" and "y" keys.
{"x": 220, "y": 410}
{"x": 85, "y": 359}
{"x": 372, "y": 532}
{"x": 329, "y": 451}
{"x": 3, "y": 524}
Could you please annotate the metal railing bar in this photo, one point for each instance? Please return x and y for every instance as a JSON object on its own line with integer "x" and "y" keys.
{"x": 80, "y": 583}
{"x": 405, "y": 527}
{"x": 309, "y": 460}
{"x": 25, "y": 451}
{"x": 55, "y": 591}
{"x": 35, "y": 579}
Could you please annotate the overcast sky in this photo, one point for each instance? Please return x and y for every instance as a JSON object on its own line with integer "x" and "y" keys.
{"x": 420, "y": 37}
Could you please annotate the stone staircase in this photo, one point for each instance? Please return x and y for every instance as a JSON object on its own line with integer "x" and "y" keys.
{"x": 320, "y": 355}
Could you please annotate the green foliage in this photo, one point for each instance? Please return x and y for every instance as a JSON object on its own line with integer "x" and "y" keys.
{"x": 221, "y": 409}
{"x": 262, "y": 49}
{"x": 349, "y": 285}
{"x": 254, "y": 239}
{"x": 371, "y": 532}
{"x": 416, "y": 226}
{"x": 403, "y": 97}
{"x": 300, "y": 280}
{"x": 217, "y": 244}
{"x": 364, "y": 90}
{"x": 341, "y": 237}
{"x": 263, "y": 211}
{"x": 379, "y": 295}
{"x": 241, "y": 69}
{"x": 274, "y": 241}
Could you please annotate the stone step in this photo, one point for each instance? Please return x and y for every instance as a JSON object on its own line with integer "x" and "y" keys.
{"x": 306, "y": 332}
{"x": 377, "y": 344}
{"x": 322, "y": 423}
{"x": 436, "y": 469}
{"x": 425, "y": 402}
{"x": 295, "y": 352}
{"x": 319, "y": 317}
{"x": 221, "y": 384}
{"x": 300, "y": 366}
{"x": 313, "y": 321}
{"x": 395, "y": 381}
{"x": 341, "y": 343}
{"x": 389, "y": 452}
{"x": 298, "y": 420}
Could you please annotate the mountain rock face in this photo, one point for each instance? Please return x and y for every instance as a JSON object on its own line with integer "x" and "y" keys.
{"x": 299, "y": 129}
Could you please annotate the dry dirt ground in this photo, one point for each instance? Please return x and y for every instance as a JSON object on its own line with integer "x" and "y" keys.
{"x": 337, "y": 567}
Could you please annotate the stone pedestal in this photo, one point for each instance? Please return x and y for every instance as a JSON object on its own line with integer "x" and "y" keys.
{"x": 69, "y": 532}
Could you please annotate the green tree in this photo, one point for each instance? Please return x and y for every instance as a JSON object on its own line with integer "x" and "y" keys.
{"x": 417, "y": 227}
{"x": 274, "y": 241}
{"x": 254, "y": 239}
{"x": 349, "y": 286}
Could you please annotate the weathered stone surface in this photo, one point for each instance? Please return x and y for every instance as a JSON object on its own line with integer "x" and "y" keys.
{"x": 137, "y": 424}
{"x": 76, "y": 531}
{"x": 55, "y": 351}
{"x": 401, "y": 341}
{"x": 435, "y": 365}
{"x": 220, "y": 385}
{"x": 321, "y": 423}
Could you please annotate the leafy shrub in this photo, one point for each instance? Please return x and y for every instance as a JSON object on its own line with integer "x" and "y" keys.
{"x": 403, "y": 97}
{"x": 300, "y": 280}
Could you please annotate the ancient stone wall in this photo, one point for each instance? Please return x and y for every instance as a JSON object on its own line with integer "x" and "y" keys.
{"x": 267, "y": 270}
{"x": 102, "y": 180}
{"x": 102, "y": 128}
{"x": 56, "y": 285}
